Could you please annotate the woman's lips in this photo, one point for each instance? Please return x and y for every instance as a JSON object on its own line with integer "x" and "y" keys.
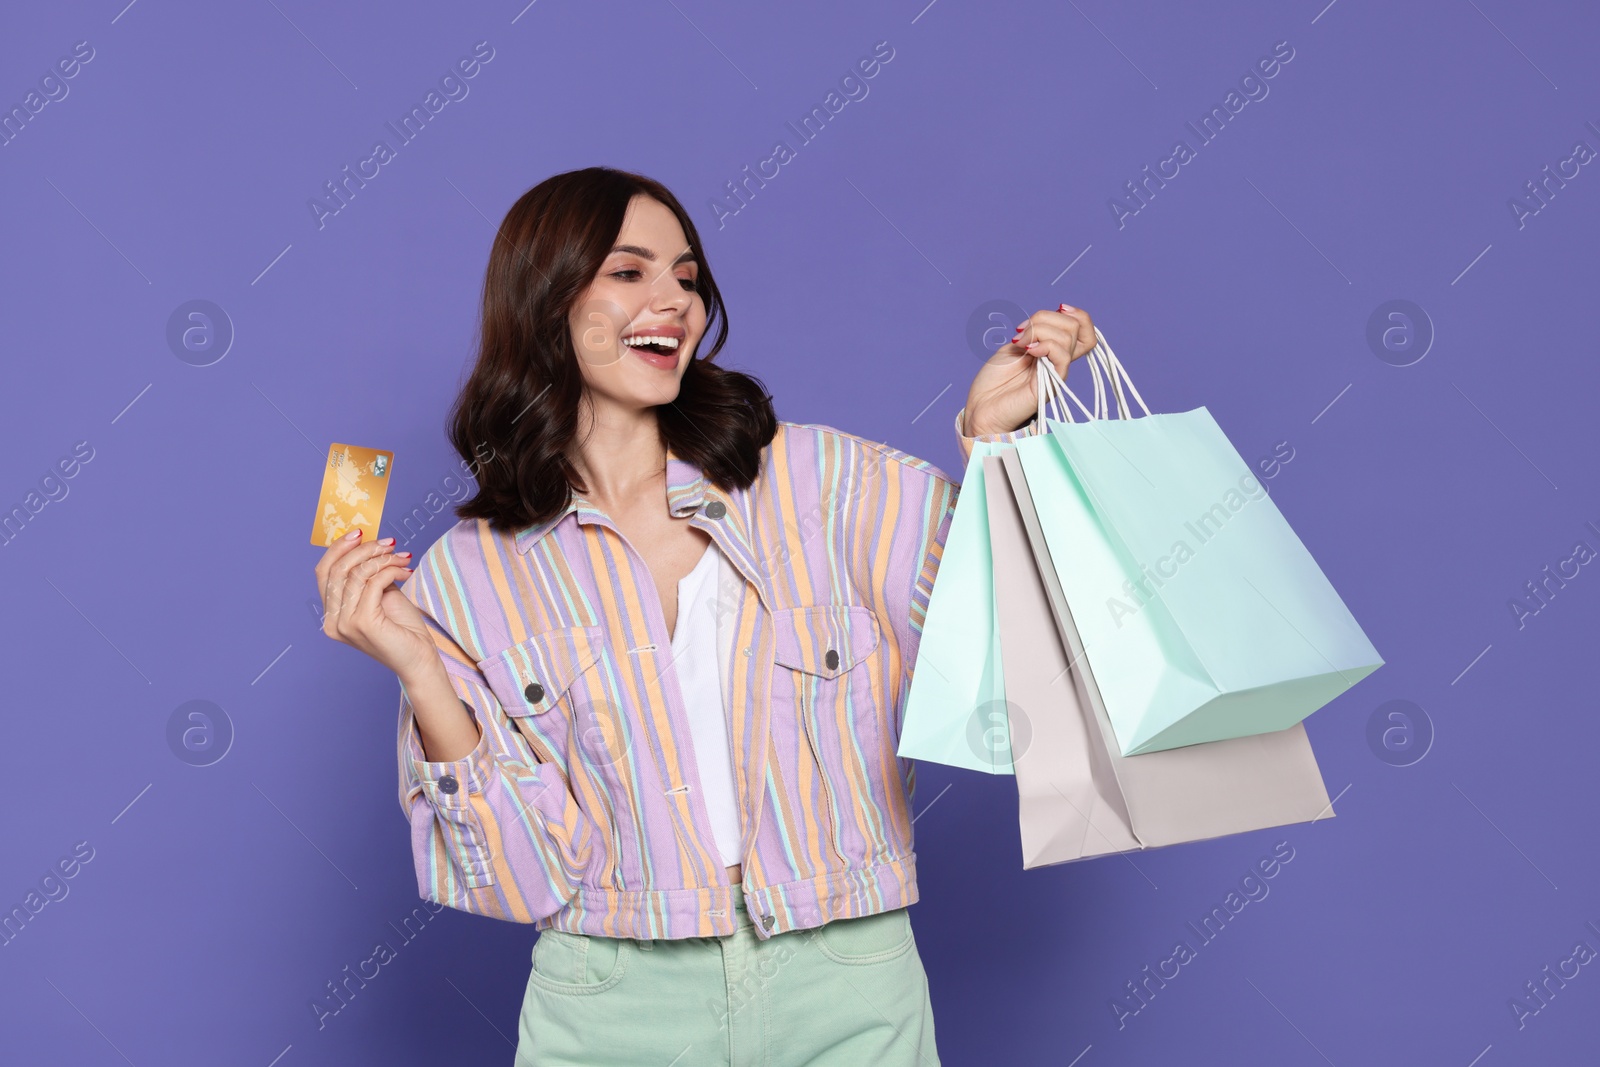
{"x": 663, "y": 360}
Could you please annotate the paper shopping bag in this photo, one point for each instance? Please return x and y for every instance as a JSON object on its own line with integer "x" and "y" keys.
{"x": 955, "y": 711}
{"x": 1203, "y": 614}
{"x": 1078, "y": 796}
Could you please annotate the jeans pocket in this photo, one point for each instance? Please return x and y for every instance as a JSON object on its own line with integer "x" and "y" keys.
{"x": 578, "y": 964}
{"x": 867, "y": 939}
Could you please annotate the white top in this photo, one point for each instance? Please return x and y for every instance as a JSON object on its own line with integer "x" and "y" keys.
{"x": 702, "y": 640}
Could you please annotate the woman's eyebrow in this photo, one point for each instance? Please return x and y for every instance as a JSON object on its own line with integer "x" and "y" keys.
{"x": 645, "y": 253}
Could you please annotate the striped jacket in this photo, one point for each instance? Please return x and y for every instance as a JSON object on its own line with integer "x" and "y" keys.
{"x": 580, "y": 808}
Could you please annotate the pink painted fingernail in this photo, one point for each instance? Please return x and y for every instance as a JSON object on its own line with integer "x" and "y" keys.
{"x": 353, "y": 534}
{"x": 1030, "y": 347}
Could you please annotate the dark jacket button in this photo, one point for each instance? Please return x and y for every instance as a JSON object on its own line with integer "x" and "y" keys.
{"x": 716, "y": 509}
{"x": 767, "y": 921}
{"x": 534, "y": 692}
{"x": 831, "y": 659}
{"x": 448, "y": 784}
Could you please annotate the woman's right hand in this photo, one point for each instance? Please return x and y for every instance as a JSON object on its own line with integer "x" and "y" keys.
{"x": 1004, "y": 395}
{"x": 363, "y": 607}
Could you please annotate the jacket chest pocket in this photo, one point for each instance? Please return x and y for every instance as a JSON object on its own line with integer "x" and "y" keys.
{"x": 823, "y": 697}
{"x": 549, "y": 686}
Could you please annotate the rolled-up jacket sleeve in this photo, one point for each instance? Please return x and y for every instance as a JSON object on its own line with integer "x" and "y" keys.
{"x": 966, "y": 442}
{"x": 496, "y": 832}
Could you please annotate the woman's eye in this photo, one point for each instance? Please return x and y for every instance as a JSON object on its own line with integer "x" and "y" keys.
{"x": 688, "y": 284}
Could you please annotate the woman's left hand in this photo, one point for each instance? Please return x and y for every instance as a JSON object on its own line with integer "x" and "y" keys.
{"x": 1004, "y": 395}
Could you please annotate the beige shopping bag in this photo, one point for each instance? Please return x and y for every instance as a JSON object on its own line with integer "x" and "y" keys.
{"x": 1078, "y": 796}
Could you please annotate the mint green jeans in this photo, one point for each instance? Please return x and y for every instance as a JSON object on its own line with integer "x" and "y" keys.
{"x": 848, "y": 993}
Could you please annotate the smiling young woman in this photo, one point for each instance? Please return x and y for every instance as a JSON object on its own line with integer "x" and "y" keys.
{"x": 651, "y": 681}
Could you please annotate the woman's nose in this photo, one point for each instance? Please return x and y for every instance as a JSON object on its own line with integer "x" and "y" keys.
{"x": 670, "y": 293}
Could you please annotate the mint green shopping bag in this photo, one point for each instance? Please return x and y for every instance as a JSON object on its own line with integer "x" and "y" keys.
{"x": 955, "y": 713}
{"x": 1203, "y": 616}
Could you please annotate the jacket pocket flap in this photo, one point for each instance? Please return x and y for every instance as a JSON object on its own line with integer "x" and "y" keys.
{"x": 825, "y": 640}
{"x": 531, "y": 677}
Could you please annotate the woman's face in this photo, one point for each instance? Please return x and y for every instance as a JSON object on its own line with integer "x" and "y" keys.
{"x": 645, "y": 288}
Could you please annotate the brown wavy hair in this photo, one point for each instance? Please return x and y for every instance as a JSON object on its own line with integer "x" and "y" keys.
{"x": 515, "y": 421}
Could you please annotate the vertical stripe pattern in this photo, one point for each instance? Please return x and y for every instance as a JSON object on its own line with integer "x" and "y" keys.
{"x": 581, "y": 807}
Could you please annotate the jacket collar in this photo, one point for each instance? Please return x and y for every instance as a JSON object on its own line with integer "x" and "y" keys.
{"x": 688, "y": 491}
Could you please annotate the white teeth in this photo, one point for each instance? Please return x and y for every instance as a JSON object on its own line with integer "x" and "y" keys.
{"x": 646, "y": 339}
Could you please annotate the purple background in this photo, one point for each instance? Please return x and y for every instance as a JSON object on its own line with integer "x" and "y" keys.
{"x": 1381, "y": 165}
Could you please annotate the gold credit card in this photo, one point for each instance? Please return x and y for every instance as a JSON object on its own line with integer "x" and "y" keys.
{"x": 354, "y": 483}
